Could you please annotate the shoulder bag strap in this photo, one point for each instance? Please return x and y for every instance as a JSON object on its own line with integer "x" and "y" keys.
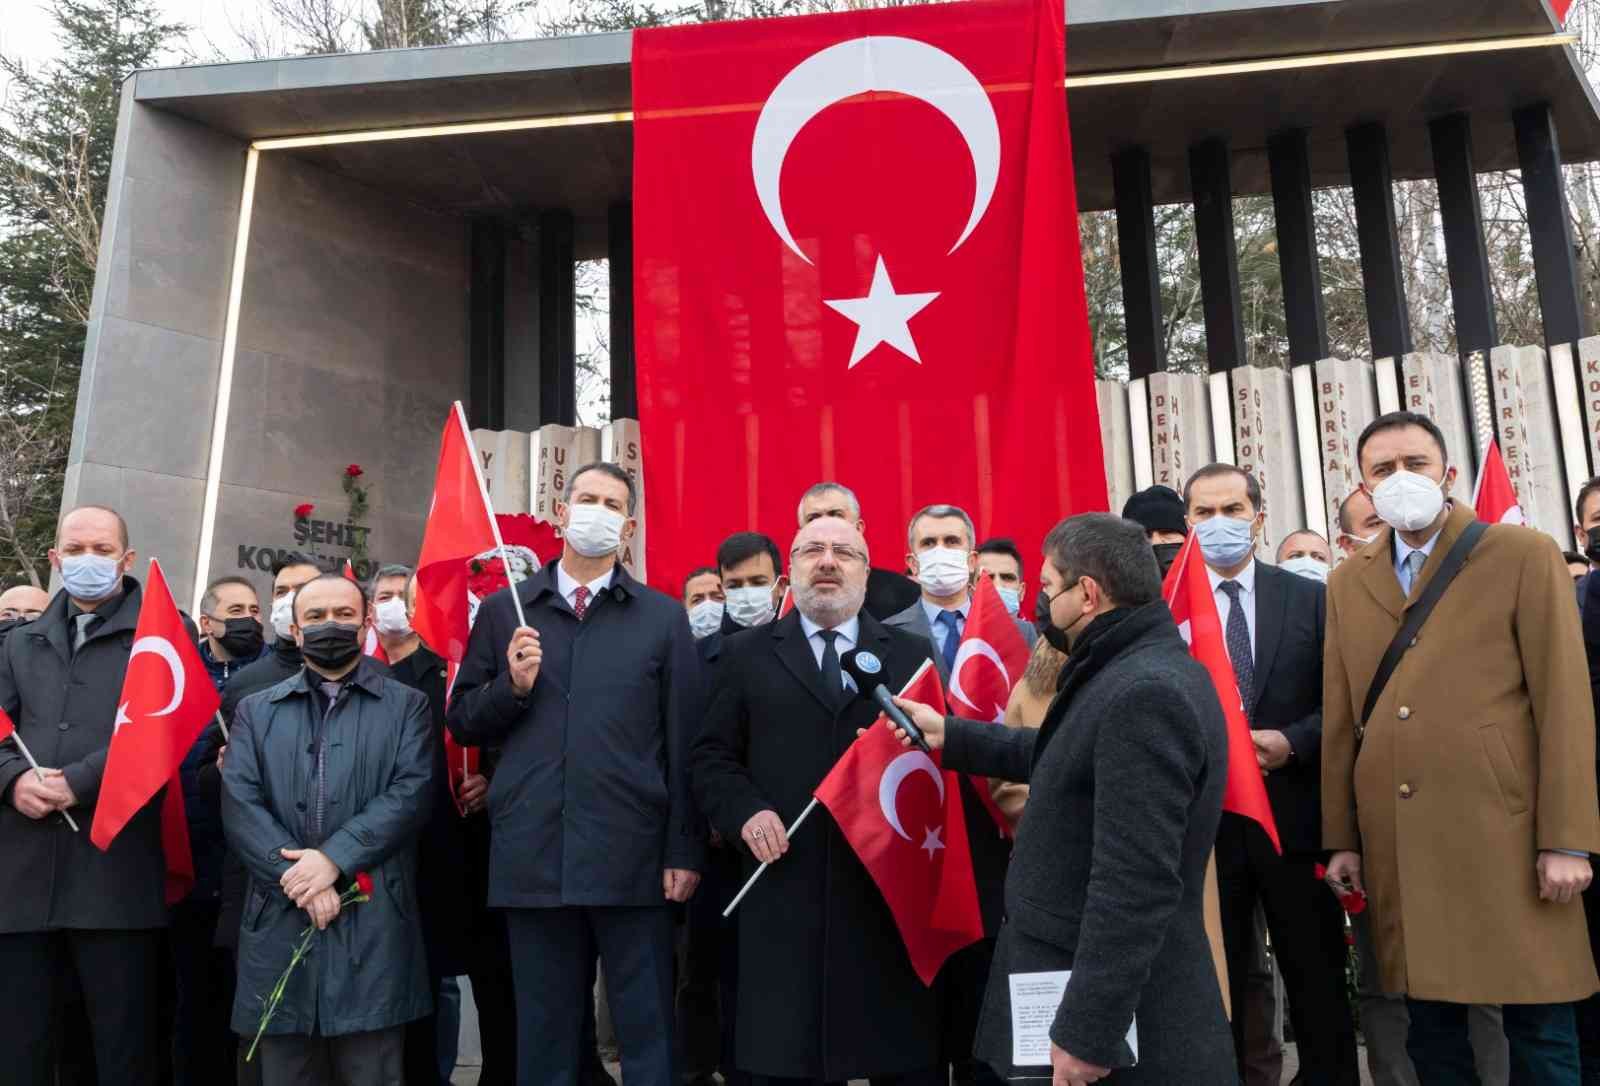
{"x": 1419, "y": 612}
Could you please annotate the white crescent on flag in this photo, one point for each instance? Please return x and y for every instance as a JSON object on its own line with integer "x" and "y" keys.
{"x": 163, "y": 648}
{"x": 977, "y": 647}
{"x": 912, "y": 761}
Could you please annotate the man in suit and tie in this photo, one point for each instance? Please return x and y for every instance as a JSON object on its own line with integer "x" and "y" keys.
{"x": 593, "y": 835}
{"x": 826, "y": 992}
{"x": 940, "y": 543}
{"x": 1272, "y": 621}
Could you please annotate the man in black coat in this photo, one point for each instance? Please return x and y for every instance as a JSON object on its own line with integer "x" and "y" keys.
{"x": 826, "y": 991}
{"x": 281, "y": 660}
{"x": 1107, "y": 880}
{"x": 69, "y": 908}
{"x": 594, "y": 833}
{"x": 1273, "y": 625}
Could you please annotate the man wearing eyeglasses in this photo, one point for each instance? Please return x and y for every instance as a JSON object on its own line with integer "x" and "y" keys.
{"x": 826, "y": 992}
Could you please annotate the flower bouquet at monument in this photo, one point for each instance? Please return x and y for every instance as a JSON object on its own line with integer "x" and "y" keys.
{"x": 358, "y": 892}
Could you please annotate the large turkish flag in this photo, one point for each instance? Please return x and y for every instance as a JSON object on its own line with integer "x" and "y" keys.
{"x": 856, "y": 258}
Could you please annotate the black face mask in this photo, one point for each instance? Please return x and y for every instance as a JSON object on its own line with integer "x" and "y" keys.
{"x": 330, "y": 645}
{"x": 1053, "y": 635}
{"x": 1592, "y": 550}
{"x": 241, "y": 638}
{"x": 1166, "y": 554}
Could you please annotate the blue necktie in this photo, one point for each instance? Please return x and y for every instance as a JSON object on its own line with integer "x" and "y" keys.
{"x": 1244, "y": 667}
{"x": 1410, "y": 568}
{"x": 952, "y": 639}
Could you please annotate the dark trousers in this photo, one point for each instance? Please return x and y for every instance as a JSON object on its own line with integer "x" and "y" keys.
{"x": 1542, "y": 1039}
{"x": 962, "y": 983}
{"x": 353, "y": 1059}
{"x": 421, "y": 1061}
{"x": 495, "y": 997}
{"x": 202, "y": 1043}
{"x": 119, "y": 972}
{"x": 552, "y": 954}
{"x": 1588, "y": 1011}
{"x": 1307, "y": 929}
{"x": 709, "y": 978}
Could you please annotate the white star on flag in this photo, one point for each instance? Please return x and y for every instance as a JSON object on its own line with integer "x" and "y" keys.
{"x": 882, "y": 317}
{"x": 931, "y": 842}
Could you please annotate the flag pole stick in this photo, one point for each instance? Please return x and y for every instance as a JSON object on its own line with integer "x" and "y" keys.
{"x": 752, "y": 880}
{"x": 223, "y": 726}
{"x": 488, "y": 507}
{"x": 16, "y": 737}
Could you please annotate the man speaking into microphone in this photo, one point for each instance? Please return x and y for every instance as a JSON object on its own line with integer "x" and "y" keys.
{"x": 826, "y": 991}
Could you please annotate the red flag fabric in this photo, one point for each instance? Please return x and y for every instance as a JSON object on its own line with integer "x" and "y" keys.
{"x": 857, "y": 258}
{"x": 459, "y": 527}
{"x": 167, "y": 701}
{"x": 990, "y": 661}
{"x": 1188, "y": 593}
{"x": 1561, "y": 7}
{"x": 902, "y": 815}
{"x": 6, "y": 727}
{"x": 1496, "y": 500}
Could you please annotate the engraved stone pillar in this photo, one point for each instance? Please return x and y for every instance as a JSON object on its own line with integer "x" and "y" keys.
{"x": 503, "y": 456}
{"x": 1525, "y": 425}
{"x": 1589, "y": 388}
{"x": 1347, "y": 399}
{"x": 622, "y": 447}
{"x": 555, "y": 454}
{"x": 1265, "y": 446}
{"x": 1434, "y": 386}
{"x": 1116, "y": 441}
{"x": 1180, "y": 427}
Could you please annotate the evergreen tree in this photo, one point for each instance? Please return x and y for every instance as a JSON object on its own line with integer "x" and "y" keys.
{"x": 57, "y": 129}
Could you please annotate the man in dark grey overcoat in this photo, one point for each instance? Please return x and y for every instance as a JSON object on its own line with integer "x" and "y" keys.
{"x": 1126, "y": 776}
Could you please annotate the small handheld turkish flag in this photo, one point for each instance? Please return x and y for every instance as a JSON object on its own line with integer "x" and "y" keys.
{"x": 1496, "y": 500}
{"x": 460, "y": 524}
{"x": 902, "y": 815}
{"x": 6, "y": 727}
{"x": 167, "y": 701}
{"x": 989, "y": 663}
{"x": 1188, "y": 594}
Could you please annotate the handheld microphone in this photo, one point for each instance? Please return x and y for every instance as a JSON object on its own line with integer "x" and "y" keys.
{"x": 866, "y": 670}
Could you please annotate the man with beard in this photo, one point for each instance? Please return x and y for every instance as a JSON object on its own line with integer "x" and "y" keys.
{"x": 826, "y": 991}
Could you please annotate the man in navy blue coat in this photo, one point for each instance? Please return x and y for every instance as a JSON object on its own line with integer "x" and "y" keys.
{"x": 594, "y": 835}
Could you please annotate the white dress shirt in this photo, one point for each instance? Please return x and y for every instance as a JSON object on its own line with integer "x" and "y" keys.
{"x": 569, "y": 587}
{"x": 940, "y": 631}
{"x": 849, "y": 631}
{"x": 1247, "y": 600}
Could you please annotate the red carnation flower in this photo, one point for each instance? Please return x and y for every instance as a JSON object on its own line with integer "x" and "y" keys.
{"x": 303, "y": 510}
{"x": 1349, "y": 938}
{"x": 1320, "y": 871}
{"x": 354, "y": 471}
{"x": 1354, "y": 903}
{"x": 364, "y": 880}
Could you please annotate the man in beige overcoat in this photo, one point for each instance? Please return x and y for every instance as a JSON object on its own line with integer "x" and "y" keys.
{"x": 1466, "y": 805}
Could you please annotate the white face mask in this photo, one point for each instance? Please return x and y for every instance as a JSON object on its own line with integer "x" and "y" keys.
{"x": 750, "y": 606}
{"x": 1408, "y": 502}
{"x": 1306, "y": 566}
{"x": 283, "y": 616}
{"x": 391, "y": 620}
{"x": 1359, "y": 540}
{"x": 1011, "y": 597}
{"x": 943, "y": 570}
{"x": 593, "y": 530}
{"x": 705, "y": 618}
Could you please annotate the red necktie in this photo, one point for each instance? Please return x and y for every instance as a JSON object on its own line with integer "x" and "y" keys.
{"x": 580, "y": 601}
